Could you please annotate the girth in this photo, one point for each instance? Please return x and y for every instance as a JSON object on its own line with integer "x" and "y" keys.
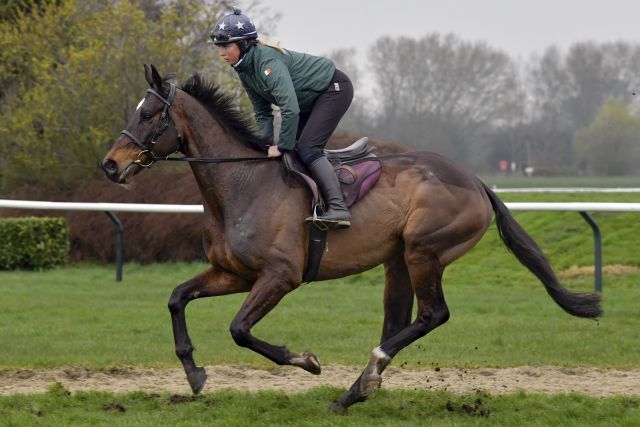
{"x": 358, "y": 170}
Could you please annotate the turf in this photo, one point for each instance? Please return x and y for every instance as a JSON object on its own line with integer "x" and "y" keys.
{"x": 397, "y": 408}
{"x": 500, "y": 314}
{"x": 79, "y": 316}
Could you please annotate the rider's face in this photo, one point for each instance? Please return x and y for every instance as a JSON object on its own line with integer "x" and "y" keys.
{"x": 229, "y": 52}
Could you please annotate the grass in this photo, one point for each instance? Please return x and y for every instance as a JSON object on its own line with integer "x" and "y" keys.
{"x": 565, "y": 237}
{"x": 397, "y": 408}
{"x": 500, "y": 314}
{"x": 79, "y": 316}
{"x": 501, "y": 317}
{"x": 571, "y": 181}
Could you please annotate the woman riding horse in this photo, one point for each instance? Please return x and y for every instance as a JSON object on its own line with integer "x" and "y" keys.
{"x": 311, "y": 93}
{"x": 423, "y": 214}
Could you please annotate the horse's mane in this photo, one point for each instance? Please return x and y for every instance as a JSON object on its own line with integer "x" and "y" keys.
{"x": 225, "y": 110}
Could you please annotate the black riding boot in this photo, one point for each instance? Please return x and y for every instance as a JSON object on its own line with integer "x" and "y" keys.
{"x": 337, "y": 214}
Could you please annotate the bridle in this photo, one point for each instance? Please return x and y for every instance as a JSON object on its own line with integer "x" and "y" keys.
{"x": 165, "y": 117}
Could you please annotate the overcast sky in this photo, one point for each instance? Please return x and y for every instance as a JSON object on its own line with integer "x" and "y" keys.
{"x": 517, "y": 26}
{"x": 520, "y": 27}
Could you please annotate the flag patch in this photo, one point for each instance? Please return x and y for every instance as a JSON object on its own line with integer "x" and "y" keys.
{"x": 267, "y": 71}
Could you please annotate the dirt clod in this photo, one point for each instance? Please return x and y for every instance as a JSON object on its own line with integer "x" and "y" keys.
{"x": 177, "y": 399}
{"x": 113, "y": 406}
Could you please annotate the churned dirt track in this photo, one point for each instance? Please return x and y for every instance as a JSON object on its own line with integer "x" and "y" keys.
{"x": 590, "y": 381}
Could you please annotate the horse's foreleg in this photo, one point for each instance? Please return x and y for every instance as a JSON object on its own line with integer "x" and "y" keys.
{"x": 206, "y": 284}
{"x": 426, "y": 279}
{"x": 264, "y": 296}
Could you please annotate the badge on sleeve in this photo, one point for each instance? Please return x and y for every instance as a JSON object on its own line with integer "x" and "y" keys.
{"x": 267, "y": 71}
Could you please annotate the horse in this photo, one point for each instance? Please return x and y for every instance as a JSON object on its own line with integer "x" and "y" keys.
{"x": 423, "y": 214}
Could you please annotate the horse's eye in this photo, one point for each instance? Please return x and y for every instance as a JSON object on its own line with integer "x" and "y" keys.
{"x": 146, "y": 116}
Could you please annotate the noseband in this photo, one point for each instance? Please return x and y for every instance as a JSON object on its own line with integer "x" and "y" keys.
{"x": 165, "y": 117}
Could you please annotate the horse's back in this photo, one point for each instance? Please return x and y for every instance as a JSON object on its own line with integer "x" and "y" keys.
{"x": 429, "y": 166}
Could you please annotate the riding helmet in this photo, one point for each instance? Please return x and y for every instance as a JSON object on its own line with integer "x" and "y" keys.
{"x": 232, "y": 28}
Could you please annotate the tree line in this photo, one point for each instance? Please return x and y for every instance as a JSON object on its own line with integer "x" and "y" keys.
{"x": 71, "y": 75}
{"x": 561, "y": 112}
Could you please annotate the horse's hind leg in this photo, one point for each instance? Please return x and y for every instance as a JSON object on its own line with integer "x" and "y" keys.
{"x": 265, "y": 295}
{"x": 398, "y": 303}
{"x": 398, "y": 297}
{"x": 206, "y": 284}
{"x": 426, "y": 279}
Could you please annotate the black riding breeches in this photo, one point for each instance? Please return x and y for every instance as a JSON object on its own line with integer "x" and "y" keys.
{"x": 316, "y": 126}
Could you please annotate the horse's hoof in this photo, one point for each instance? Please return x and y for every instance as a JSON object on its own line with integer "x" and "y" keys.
{"x": 370, "y": 385}
{"x": 312, "y": 364}
{"x": 197, "y": 378}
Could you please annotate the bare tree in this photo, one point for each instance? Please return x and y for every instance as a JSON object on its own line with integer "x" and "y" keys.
{"x": 440, "y": 92}
{"x": 550, "y": 130}
{"x": 569, "y": 90}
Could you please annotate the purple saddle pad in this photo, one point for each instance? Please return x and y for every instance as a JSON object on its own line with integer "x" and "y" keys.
{"x": 357, "y": 178}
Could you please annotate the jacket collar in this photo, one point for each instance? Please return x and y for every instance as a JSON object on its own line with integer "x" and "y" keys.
{"x": 245, "y": 62}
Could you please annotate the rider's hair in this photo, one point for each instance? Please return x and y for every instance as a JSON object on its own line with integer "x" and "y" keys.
{"x": 273, "y": 45}
{"x": 244, "y": 45}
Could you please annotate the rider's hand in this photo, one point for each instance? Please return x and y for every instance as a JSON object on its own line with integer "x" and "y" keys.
{"x": 273, "y": 151}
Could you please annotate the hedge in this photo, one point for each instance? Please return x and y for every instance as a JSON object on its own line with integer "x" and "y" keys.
{"x": 33, "y": 243}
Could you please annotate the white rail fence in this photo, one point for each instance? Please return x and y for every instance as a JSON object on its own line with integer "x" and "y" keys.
{"x": 566, "y": 190}
{"x": 109, "y": 208}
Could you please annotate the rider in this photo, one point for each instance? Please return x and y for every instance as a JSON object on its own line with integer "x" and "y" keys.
{"x": 311, "y": 93}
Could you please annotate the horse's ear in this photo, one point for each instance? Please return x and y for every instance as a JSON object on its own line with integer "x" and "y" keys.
{"x": 147, "y": 74}
{"x": 157, "y": 78}
{"x": 153, "y": 76}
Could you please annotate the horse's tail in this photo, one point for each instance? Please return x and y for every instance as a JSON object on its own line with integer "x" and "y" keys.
{"x": 530, "y": 255}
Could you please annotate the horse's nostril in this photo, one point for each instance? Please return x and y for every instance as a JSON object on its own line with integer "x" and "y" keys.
{"x": 109, "y": 165}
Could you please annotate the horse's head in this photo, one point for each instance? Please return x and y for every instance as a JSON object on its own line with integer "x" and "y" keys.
{"x": 144, "y": 140}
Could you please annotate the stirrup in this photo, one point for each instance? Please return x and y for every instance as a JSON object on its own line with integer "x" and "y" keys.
{"x": 321, "y": 225}
{"x": 326, "y": 224}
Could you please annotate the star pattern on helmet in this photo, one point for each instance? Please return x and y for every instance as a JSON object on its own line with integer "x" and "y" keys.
{"x": 240, "y": 25}
{"x": 222, "y": 26}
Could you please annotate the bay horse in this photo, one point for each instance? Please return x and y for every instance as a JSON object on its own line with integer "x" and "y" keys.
{"x": 424, "y": 213}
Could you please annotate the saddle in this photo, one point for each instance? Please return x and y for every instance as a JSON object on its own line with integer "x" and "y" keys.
{"x": 358, "y": 170}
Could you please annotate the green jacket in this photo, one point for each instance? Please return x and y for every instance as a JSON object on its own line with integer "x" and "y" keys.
{"x": 291, "y": 80}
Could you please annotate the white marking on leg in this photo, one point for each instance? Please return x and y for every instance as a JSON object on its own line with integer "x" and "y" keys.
{"x": 379, "y": 354}
{"x": 371, "y": 378}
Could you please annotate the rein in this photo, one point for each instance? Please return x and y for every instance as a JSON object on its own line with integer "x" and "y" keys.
{"x": 162, "y": 127}
{"x": 211, "y": 159}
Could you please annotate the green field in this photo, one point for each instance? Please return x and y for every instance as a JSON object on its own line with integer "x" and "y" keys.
{"x": 397, "y": 408}
{"x": 517, "y": 181}
{"x": 500, "y": 317}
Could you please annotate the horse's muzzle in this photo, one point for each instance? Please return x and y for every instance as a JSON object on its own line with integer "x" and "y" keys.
{"x": 110, "y": 167}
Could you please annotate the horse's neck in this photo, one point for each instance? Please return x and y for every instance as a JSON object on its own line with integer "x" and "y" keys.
{"x": 227, "y": 188}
